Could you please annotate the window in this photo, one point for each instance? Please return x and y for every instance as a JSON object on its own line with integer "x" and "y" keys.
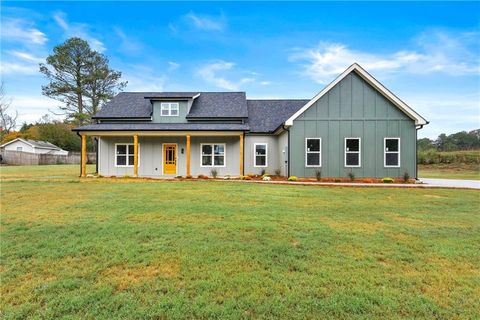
{"x": 19, "y": 148}
{"x": 352, "y": 152}
{"x": 124, "y": 156}
{"x": 213, "y": 155}
{"x": 391, "y": 152}
{"x": 260, "y": 154}
{"x": 169, "y": 109}
{"x": 313, "y": 152}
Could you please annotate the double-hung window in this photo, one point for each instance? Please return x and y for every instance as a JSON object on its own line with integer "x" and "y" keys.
{"x": 169, "y": 109}
{"x": 260, "y": 154}
{"x": 124, "y": 155}
{"x": 391, "y": 149}
{"x": 313, "y": 152}
{"x": 213, "y": 155}
{"x": 352, "y": 152}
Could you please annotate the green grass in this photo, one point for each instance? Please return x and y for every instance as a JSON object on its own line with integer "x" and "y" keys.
{"x": 450, "y": 171}
{"x": 116, "y": 248}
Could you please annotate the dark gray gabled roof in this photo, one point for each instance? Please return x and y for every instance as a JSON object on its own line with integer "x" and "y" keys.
{"x": 148, "y": 126}
{"x": 171, "y": 95}
{"x": 127, "y": 105}
{"x": 219, "y": 105}
{"x": 268, "y": 115}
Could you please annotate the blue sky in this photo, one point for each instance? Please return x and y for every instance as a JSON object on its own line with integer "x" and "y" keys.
{"x": 426, "y": 53}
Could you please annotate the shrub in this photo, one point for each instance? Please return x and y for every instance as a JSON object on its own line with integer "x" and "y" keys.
{"x": 351, "y": 176}
{"x": 251, "y": 175}
{"x": 126, "y": 176}
{"x": 178, "y": 177}
{"x": 245, "y": 178}
{"x": 214, "y": 173}
{"x": 278, "y": 172}
{"x": 406, "y": 177}
{"x": 387, "y": 180}
{"x": 292, "y": 178}
{"x": 201, "y": 176}
{"x": 262, "y": 173}
{"x": 188, "y": 177}
{"x": 318, "y": 174}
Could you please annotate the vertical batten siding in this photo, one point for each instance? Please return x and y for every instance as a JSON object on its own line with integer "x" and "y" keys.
{"x": 353, "y": 109}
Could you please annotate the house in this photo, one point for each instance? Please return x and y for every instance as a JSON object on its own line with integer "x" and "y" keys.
{"x": 353, "y": 125}
{"x": 32, "y": 146}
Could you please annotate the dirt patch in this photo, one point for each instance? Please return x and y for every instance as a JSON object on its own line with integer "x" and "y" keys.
{"x": 126, "y": 276}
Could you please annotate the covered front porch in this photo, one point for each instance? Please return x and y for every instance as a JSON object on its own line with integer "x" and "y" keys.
{"x": 167, "y": 153}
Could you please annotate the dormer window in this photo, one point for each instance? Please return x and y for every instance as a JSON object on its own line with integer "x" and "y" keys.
{"x": 169, "y": 109}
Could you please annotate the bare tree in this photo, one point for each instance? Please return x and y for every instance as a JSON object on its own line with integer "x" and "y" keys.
{"x": 7, "y": 122}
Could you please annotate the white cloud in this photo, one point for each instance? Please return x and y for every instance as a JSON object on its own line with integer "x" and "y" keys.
{"x": 210, "y": 73}
{"x": 32, "y": 107}
{"x": 20, "y": 30}
{"x": 80, "y": 30}
{"x": 127, "y": 43}
{"x": 20, "y": 62}
{"x": 173, "y": 66}
{"x": 208, "y": 23}
{"x": 435, "y": 51}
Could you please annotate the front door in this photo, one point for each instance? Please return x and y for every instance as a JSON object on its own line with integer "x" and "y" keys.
{"x": 169, "y": 159}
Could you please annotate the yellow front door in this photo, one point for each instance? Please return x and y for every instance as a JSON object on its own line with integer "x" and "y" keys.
{"x": 169, "y": 159}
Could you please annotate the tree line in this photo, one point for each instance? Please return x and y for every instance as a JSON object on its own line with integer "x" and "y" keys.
{"x": 81, "y": 80}
{"x": 458, "y": 141}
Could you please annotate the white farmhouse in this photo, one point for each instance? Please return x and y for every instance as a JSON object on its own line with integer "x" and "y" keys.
{"x": 32, "y": 146}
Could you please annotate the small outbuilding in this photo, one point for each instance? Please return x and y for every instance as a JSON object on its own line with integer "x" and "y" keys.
{"x": 33, "y": 146}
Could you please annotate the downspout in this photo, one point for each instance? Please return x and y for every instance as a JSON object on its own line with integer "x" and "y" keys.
{"x": 416, "y": 150}
{"x": 288, "y": 149}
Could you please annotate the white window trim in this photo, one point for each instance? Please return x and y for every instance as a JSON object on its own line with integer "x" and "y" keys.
{"x": 213, "y": 155}
{"x": 359, "y": 152}
{"x": 319, "y": 152}
{"x": 169, "y": 108}
{"x": 126, "y": 165}
{"x": 255, "y": 154}
{"x": 163, "y": 157}
{"x": 385, "y": 152}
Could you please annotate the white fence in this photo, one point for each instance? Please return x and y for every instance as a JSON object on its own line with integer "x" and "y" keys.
{"x": 25, "y": 158}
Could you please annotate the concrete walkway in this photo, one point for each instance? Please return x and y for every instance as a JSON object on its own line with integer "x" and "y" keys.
{"x": 452, "y": 183}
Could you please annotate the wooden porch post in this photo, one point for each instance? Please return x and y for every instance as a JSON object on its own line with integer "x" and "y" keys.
{"x": 83, "y": 173}
{"x": 188, "y": 154}
{"x": 135, "y": 155}
{"x": 241, "y": 154}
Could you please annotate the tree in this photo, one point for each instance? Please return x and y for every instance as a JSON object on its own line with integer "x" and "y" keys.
{"x": 80, "y": 78}
{"x": 425, "y": 144}
{"x": 7, "y": 122}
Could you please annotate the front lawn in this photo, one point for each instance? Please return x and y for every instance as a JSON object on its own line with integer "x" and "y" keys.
{"x": 124, "y": 248}
{"x": 450, "y": 171}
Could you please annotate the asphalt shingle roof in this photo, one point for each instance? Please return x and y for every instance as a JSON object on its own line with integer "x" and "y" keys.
{"x": 42, "y": 144}
{"x": 268, "y": 115}
{"x": 219, "y": 105}
{"x": 260, "y": 115}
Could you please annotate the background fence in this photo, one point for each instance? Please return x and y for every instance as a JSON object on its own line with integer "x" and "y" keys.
{"x": 26, "y": 158}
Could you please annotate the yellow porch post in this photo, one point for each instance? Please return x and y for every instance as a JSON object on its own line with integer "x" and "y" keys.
{"x": 241, "y": 154}
{"x": 135, "y": 155}
{"x": 188, "y": 154}
{"x": 83, "y": 173}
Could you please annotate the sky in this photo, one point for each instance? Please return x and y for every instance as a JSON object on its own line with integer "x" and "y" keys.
{"x": 427, "y": 53}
